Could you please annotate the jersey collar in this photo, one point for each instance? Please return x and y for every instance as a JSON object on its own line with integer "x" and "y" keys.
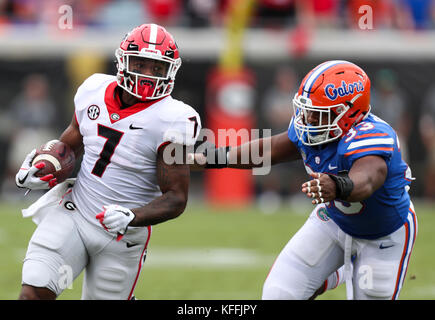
{"x": 114, "y": 105}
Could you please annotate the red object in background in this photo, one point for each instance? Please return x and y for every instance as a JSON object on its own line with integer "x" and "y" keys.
{"x": 278, "y": 4}
{"x": 383, "y": 12}
{"x": 162, "y": 9}
{"x": 229, "y": 105}
{"x": 299, "y": 40}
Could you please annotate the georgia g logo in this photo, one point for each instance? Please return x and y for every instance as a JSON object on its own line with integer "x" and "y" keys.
{"x": 344, "y": 90}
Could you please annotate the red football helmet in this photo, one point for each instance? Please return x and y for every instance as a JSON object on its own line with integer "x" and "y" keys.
{"x": 147, "y": 62}
{"x": 332, "y": 98}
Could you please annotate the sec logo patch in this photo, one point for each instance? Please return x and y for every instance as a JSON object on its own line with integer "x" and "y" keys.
{"x": 93, "y": 112}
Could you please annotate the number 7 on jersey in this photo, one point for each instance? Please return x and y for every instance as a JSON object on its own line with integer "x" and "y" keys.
{"x": 113, "y": 137}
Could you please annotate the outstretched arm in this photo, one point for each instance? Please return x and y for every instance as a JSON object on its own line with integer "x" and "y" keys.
{"x": 273, "y": 150}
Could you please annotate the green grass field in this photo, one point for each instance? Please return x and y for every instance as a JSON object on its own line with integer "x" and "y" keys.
{"x": 213, "y": 254}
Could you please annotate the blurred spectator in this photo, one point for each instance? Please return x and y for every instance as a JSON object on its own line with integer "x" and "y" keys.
{"x": 382, "y": 13}
{"x": 275, "y": 13}
{"x": 84, "y": 12}
{"x": 33, "y": 117}
{"x": 276, "y": 112}
{"x": 25, "y": 11}
{"x": 389, "y": 104}
{"x": 276, "y": 108}
{"x": 427, "y": 133}
{"x": 415, "y": 14}
{"x": 202, "y": 13}
{"x": 318, "y": 13}
{"x": 122, "y": 14}
{"x": 163, "y": 12}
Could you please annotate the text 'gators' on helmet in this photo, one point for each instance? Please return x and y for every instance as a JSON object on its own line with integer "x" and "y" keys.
{"x": 332, "y": 98}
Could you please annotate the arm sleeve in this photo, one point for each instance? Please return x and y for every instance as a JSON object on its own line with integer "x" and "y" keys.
{"x": 377, "y": 140}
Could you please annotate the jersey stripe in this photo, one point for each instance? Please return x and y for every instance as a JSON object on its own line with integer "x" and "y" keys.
{"x": 370, "y": 142}
{"x": 369, "y": 135}
{"x": 316, "y": 73}
{"x": 411, "y": 232}
{"x": 368, "y": 149}
{"x": 140, "y": 262}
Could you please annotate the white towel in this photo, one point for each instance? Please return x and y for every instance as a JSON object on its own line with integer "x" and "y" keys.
{"x": 39, "y": 208}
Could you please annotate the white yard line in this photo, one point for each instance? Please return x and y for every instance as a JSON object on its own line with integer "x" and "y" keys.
{"x": 206, "y": 258}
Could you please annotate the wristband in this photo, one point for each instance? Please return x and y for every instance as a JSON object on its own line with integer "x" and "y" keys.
{"x": 217, "y": 158}
{"x": 344, "y": 185}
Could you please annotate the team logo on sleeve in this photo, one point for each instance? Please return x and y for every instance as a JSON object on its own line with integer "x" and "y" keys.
{"x": 93, "y": 112}
{"x": 344, "y": 90}
{"x": 322, "y": 214}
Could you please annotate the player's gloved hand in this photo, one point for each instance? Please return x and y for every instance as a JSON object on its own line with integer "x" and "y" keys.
{"x": 115, "y": 218}
{"x": 25, "y": 178}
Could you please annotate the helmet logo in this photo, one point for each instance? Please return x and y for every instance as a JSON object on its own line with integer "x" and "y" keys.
{"x": 344, "y": 90}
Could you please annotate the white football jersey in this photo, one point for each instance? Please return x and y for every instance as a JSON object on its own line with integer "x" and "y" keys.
{"x": 121, "y": 145}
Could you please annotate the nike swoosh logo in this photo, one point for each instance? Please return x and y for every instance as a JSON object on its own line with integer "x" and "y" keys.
{"x": 134, "y": 128}
{"x": 21, "y": 181}
{"x": 332, "y": 167}
{"x": 129, "y": 245}
{"x": 385, "y": 247}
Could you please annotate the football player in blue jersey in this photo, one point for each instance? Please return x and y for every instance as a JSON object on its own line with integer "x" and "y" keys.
{"x": 363, "y": 226}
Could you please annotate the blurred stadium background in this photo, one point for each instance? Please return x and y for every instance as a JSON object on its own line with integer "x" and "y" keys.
{"x": 242, "y": 63}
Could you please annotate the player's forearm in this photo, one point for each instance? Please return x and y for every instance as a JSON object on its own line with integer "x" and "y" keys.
{"x": 72, "y": 137}
{"x": 257, "y": 153}
{"x": 363, "y": 188}
{"x": 249, "y": 155}
{"x": 366, "y": 180}
{"x": 168, "y": 206}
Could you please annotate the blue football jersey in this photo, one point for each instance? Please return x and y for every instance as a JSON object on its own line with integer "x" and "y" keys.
{"x": 387, "y": 208}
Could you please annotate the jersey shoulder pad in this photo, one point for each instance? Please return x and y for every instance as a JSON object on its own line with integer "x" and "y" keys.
{"x": 92, "y": 84}
{"x": 181, "y": 123}
{"x": 172, "y": 109}
{"x": 370, "y": 137}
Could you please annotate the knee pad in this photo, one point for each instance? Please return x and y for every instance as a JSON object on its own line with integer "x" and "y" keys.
{"x": 38, "y": 274}
{"x": 376, "y": 280}
{"x": 108, "y": 284}
{"x": 275, "y": 292}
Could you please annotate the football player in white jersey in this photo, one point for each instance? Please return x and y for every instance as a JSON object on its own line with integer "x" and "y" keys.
{"x": 101, "y": 222}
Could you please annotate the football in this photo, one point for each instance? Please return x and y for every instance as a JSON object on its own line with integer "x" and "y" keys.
{"x": 59, "y": 160}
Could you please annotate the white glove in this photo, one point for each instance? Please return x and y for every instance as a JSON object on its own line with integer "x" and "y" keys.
{"x": 115, "y": 218}
{"x": 25, "y": 178}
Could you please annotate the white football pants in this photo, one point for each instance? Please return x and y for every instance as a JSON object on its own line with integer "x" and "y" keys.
{"x": 317, "y": 250}
{"x": 64, "y": 244}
